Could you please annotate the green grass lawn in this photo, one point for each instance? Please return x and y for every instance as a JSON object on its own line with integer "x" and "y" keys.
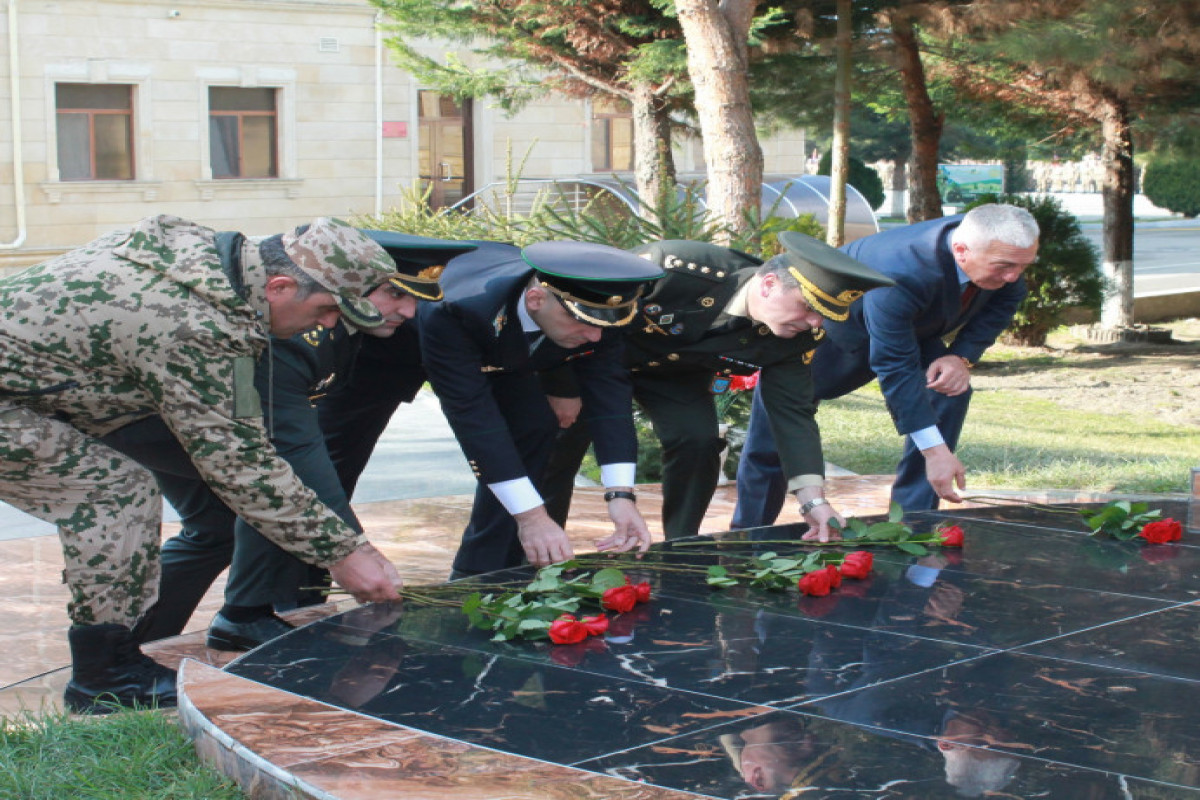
{"x": 125, "y": 756}
{"x": 1014, "y": 442}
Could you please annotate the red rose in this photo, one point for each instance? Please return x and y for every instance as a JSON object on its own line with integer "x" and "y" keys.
{"x": 567, "y": 630}
{"x": 857, "y": 564}
{"x": 835, "y": 577}
{"x": 816, "y": 583}
{"x": 1162, "y": 531}
{"x": 743, "y": 383}
{"x": 952, "y": 536}
{"x": 643, "y": 591}
{"x": 620, "y": 598}
{"x": 595, "y": 625}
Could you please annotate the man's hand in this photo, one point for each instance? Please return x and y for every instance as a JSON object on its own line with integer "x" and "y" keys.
{"x": 945, "y": 472}
{"x": 948, "y": 375}
{"x": 629, "y": 529}
{"x": 367, "y": 576}
{"x": 818, "y": 519}
{"x": 544, "y": 541}
{"x": 566, "y": 409}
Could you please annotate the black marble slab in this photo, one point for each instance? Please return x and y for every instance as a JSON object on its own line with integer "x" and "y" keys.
{"x": 1036, "y": 661}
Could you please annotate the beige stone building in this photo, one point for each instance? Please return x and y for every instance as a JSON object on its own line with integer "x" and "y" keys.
{"x": 254, "y": 115}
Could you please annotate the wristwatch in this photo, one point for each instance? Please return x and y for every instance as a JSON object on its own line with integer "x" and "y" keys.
{"x": 811, "y": 504}
{"x": 619, "y": 495}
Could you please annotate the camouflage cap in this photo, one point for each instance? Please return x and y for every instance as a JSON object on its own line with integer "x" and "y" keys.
{"x": 345, "y": 261}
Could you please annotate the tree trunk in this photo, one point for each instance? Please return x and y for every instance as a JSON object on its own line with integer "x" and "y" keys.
{"x": 1117, "y": 192}
{"x": 898, "y": 187}
{"x": 716, "y": 38}
{"x": 654, "y": 166}
{"x": 925, "y": 123}
{"x": 839, "y": 164}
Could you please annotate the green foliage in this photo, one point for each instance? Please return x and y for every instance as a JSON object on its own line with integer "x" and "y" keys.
{"x": 1174, "y": 184}
{"x": 1120, "y": 519}
{"x": 861, "y": 177}
{"x": 1017, "y": 442}
{"x": 528, "y": 613}
{"x": 1066, "y": 272}
{"x": 53, "y": 756}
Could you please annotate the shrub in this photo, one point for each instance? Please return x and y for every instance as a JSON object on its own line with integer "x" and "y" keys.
{"x": 1173, "y": 184}
{"x": 1066, "y": 272}
{"x": 861, "y": 177}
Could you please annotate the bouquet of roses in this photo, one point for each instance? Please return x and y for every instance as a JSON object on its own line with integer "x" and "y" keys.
{"x": 1126, "y": 520}
{"x": 738, "y": 385}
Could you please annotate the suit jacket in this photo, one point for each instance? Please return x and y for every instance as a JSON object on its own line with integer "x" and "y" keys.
{"x": 682, "y": 327}
{"x": 900, "y": 330}
{"x": 475, "y": 332}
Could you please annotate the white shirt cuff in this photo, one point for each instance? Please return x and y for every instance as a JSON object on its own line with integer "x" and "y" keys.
{"x": 618, "y": 474}
{"x": 803, "y": 481}
{"x": 516, "y": 495}
{"x": 927, "y": 437}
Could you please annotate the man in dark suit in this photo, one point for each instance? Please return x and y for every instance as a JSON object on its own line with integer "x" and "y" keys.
{"x": 958, "y": 277}
{"x": 718, "y": 313}
{"x": 502, "y": 322}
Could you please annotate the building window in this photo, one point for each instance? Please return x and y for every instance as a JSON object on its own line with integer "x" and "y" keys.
{"x": 242, "y": 125}
{"x": 612, "y": 135}
{"x": 95, "y": 131}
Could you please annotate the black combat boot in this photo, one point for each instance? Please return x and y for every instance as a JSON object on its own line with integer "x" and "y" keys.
{"x": 108, "y": 670}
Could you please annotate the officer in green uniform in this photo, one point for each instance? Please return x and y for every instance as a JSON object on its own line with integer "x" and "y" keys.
{"x": 719, "y": 313}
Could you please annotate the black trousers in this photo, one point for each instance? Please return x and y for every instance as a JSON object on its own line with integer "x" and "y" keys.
{"x": 490, "y": 540}
{"x": 681, "y": 410}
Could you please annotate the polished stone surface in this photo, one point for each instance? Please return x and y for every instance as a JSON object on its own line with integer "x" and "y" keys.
{"x": 1036, "y": 661}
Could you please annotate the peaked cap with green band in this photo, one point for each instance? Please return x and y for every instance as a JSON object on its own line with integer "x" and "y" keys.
{"x": 597, "y": 284}
{"x": 829, "y": 279}
{"x": 419, "y": 260}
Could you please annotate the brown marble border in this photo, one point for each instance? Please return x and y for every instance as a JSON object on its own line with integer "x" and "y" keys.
{"x": 279, "y": 746}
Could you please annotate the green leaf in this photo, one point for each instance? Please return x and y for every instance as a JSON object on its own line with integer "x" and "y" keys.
{"x": 608, "y": 578}
{"x": 912, "y": 548}
{"x": 895, "y": 512}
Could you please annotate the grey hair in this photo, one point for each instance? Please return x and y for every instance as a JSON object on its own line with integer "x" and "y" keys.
{"x": 778, "y": 266}
{"x": 276, "y": 262}
{"x": 994, "y": 222}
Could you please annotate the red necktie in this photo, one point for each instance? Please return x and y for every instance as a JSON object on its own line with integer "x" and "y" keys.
{"x": 967, "y": 296}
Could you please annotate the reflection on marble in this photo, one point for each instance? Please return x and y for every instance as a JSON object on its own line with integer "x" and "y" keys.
{"x": 1022, "y": 665}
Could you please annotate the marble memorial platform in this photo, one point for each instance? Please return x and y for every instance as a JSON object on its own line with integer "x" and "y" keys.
{"x": 1034, "y": 662}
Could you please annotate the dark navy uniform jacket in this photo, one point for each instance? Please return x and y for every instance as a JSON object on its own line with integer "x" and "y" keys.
{"x": 901, "y": 329}
{"x": 682, "y": 327}
{"x": 475, "y": 332}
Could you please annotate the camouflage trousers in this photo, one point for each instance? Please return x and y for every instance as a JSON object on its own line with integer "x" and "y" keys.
{"x": 106, "y": 506}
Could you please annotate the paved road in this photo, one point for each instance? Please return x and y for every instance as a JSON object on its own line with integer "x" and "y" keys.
{"x": 1166, "y": 257}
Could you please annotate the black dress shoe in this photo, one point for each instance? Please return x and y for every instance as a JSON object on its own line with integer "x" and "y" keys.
{"x": 240, "y": 636}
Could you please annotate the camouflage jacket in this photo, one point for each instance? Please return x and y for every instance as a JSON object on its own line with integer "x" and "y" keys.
{"x": 144, "y": 321}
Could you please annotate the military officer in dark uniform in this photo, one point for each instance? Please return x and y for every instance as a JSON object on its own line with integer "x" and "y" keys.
{"x": 500, "y": 324}
{"x": 292, "y": 376}
{"x": 719, "y": 313}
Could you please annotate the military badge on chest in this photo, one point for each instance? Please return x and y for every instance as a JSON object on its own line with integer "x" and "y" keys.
{"x": 658, "y": 322}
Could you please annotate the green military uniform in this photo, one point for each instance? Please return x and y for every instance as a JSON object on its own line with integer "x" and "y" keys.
{"x": 141, "y": 322}
{"x": 680, "y": 348}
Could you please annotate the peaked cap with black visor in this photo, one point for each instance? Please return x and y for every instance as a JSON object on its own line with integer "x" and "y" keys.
{"x": 595, "y": 283}
{"x": 420, "y": 260}
{"x": 829, "y": 279}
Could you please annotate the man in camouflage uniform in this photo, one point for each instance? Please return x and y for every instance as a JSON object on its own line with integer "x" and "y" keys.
{"x": 719, "y": 313}
{"x": 166, "y": 318}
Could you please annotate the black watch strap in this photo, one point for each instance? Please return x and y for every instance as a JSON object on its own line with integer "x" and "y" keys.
{"x": 619, "y": 495}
